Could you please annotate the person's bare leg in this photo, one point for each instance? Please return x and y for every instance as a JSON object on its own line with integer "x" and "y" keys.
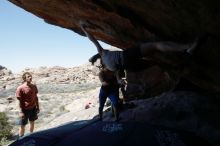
{"x": 123, "y": 91}
{"x": 31, "y": 126}
{"x": 154, "y": 48}
{"x": 170, "y": 54}
{"x": 168, "y": 46}
{"x": 21, "y": 130}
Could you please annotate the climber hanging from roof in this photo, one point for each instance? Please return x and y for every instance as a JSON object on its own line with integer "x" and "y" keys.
{"x": 164, "y": 53}
{"x": 175, "y": 58}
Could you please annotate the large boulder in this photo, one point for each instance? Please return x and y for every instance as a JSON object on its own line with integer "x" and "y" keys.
{"x": 4, "y": 71}
{"x": 125, "y": 23}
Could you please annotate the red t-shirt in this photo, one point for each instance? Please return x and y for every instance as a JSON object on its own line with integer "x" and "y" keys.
{"x": 27, "y": 95}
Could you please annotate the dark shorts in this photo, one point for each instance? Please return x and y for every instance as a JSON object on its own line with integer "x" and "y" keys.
{"x": 133, "y": 59}
{"x": 30, "y": 114}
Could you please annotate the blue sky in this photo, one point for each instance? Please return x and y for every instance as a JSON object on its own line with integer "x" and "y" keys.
{"x": 27, "y": 41}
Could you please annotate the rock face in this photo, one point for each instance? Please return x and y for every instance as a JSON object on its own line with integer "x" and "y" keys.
{"x": 187, "y": 111}
{"x": 125, "y": 23}
{"x": 65, "y": 92}
{"x": 4, "y": 71}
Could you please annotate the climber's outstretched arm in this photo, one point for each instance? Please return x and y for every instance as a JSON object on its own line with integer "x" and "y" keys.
{"x": 95, "y": 42}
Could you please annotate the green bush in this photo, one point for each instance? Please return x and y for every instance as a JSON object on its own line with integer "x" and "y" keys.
{"x": 4, "y": 126}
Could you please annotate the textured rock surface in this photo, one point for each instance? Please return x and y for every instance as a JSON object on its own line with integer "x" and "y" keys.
{"x": 183, "y": 110}
{"x": 125, "y": 23}
{"x": 63, "y": 101}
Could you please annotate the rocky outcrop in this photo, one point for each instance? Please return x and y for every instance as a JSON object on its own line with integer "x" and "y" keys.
{"x": 82, "y": 74}
{"x": 188, "y": 111}
{"x": 125, "y": 23}
{"x": 4, "y": 71}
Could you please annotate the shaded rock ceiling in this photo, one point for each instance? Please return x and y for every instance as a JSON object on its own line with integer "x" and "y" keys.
{"x": 127, "y": 22}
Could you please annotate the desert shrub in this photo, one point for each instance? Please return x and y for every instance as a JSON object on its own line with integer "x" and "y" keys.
{"x": 4, "y": 126}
